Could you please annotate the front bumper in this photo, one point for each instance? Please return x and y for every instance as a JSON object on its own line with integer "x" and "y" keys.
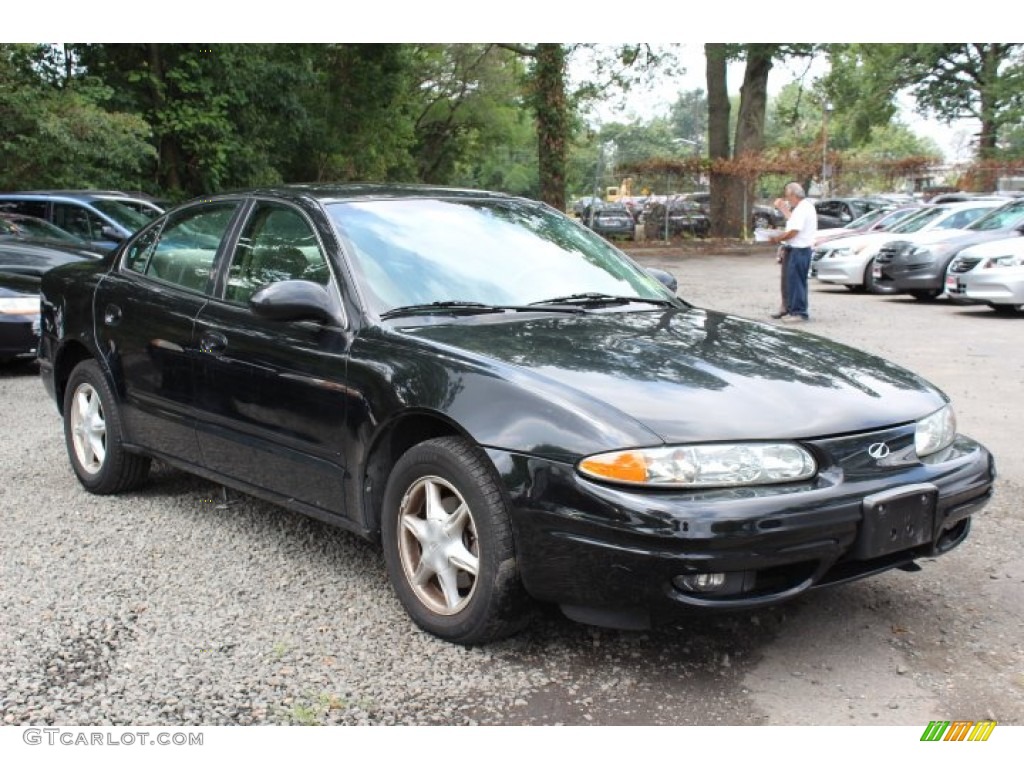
{"x": 840, "y": 271}
{"x": 19, "y": 335}
{"x": 615, "y": 556}
{"x": 911, "y": 276}
{"x": 987, "y": 287}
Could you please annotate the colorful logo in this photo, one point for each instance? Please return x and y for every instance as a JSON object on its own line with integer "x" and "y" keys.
{"x": 958, "y": 730}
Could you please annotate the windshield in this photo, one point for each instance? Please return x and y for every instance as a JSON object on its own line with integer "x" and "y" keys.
{"x": 1004, "y": 217}
{"x": 868, "y": 218}
{"x": 122, "y": 214}
{"x": 27, "y": 226}
{"x": 496, "y": 252}
{"x": 918, "y": 220}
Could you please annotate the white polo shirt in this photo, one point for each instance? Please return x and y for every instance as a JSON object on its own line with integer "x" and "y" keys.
{"x": 804, "y": 219}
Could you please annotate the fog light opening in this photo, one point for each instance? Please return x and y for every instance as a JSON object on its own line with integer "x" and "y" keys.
{"x": 699, "y": 582}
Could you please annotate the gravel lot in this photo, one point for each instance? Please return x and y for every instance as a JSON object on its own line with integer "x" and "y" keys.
{"x": 178, "y": 605}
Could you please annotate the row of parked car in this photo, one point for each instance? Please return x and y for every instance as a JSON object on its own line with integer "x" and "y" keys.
{"x": 691, "y": 214}
{"x": 970, "y": 251}
{"x": 42, "y": 229}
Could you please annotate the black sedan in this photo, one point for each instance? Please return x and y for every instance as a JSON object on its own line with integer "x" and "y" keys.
{"x": 611, "y": 220}
{"x": 23, "y": 260}
{"x": 513, "y": 407}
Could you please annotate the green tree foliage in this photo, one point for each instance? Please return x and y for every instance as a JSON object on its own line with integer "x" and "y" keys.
{"x": 472, "y": 127}
{"x": 58, "y": 133}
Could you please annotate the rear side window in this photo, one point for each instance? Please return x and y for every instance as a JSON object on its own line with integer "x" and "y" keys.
{"x": 78, "y": 220}
{"x": 183, "y": 250}
{"x": 26, "y": 207}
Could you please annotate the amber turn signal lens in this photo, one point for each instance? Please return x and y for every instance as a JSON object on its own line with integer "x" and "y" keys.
{"x": 623, "y": 467}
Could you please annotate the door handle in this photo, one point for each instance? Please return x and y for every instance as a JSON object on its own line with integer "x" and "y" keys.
{"x": 111, "y": 314}
{"x": 213, "y": 343}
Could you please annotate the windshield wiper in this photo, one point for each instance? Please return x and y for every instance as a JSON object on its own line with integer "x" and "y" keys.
{"x": 468, "y": 308}
{"x": 444, "y": 307}
{"x": 603, "y": 299}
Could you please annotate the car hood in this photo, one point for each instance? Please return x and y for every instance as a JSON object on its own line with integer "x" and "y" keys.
{"x": 1004, "y": 246}
{"x": 690, "y": 374}
{"x": 43, "y": 253}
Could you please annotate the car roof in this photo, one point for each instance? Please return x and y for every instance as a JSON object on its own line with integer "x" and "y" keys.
{"x": 352, "y": 192}
{"x": 80, "y": 195}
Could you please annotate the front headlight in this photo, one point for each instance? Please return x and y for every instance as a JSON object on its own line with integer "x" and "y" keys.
{"x": 920, "y": 253}
{"x": 703, "y": 466}
{"x": 1004, "y": 261}
{"x": 935, "y": 432}
{"x": 19, "y": 305}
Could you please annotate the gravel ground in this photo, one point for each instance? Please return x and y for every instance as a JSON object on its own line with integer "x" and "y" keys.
{"x": 180, "y": 605}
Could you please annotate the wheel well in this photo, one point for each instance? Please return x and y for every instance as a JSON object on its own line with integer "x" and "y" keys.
{"x": 69, "y": 356}
{"x": 401, "y": 435}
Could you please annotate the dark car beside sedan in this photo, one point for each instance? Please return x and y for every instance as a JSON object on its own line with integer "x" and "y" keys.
{"x": 28, "y": 248}
{"x": 611, "y": 220}
{"x": 514, "y": 408}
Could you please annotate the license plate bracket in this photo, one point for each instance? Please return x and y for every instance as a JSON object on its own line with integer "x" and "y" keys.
{"x": 895, "y": 520}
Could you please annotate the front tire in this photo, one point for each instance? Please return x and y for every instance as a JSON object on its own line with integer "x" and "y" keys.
{"x": 93, "y": 434}
{"x": 448, "y": 544}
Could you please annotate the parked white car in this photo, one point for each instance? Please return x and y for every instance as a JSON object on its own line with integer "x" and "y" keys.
{"x": 989, "y": 273}
{"x": 848, "y": 260}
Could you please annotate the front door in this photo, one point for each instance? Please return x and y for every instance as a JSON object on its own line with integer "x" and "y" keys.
{"x": 271, "y": 395}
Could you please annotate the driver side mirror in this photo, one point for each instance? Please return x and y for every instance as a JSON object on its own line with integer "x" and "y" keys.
{"x": 110, "y": 233}
{"x": 665, "y": 278}
{"x": 290, "y": 300}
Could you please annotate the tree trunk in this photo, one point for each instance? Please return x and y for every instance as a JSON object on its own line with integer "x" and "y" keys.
{"x": 722, "y": 223}
{"x": 552, "y": 122}
{"x": 168, "y": 157}
{"x": 750, "y": 124}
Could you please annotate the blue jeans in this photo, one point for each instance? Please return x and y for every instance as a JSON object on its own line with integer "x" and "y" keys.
{"x": 797, "y": 265}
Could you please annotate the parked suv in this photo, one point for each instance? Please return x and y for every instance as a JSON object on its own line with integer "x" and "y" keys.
{"x": 103, "y": 218}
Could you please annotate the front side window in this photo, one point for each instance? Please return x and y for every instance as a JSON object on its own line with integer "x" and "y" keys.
{"x": 124, "y": 215}
{"x": 183, "y": 250}
{"x": 276, "y": 244}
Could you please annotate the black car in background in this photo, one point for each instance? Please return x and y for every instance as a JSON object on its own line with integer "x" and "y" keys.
{"x": 610, "y": 220}
{"x": 763, "y": 215}
{"x": 514, "y": 408}
{"x": 839, "y": 211}
{"x": 22, "y": 265}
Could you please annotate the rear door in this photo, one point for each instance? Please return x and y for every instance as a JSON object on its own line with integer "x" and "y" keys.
{"x": 145, "y": 312}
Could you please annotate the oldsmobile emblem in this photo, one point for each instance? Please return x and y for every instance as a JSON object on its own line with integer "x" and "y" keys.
{"x": 878, "y": 450}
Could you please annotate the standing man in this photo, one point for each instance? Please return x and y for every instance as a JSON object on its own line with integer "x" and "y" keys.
{"x": 801, "y": 227}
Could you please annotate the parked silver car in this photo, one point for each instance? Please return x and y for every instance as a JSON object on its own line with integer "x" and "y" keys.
{"x": 991, "y": 273}
{"x": 850, "y": 260}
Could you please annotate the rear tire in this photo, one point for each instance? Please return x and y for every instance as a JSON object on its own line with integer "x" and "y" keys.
{"x": 448, "y": 544}
{"x": 93, "y": 434}
{"x": 926, "y": 295}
